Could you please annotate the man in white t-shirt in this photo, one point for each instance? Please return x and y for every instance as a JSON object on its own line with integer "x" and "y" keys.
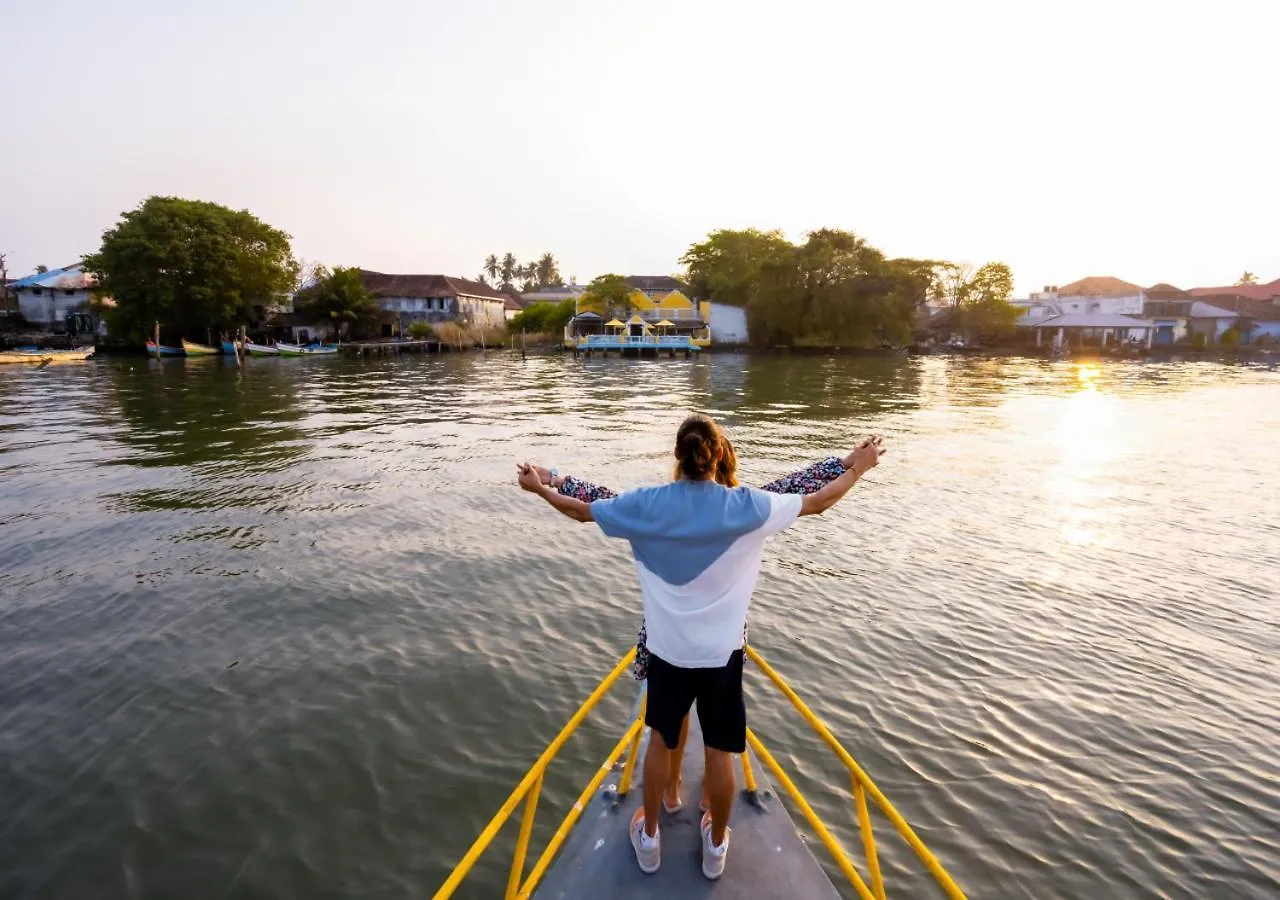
{"x": 698, "y": 548}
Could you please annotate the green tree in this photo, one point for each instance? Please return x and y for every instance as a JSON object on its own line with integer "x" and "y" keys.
{"x": 419, "y": 331}
{"x": 1248, "y": 278}
{"x": 543, "y": 318}
{"x": 491, "y": 267}
{"x": 548, "y": 271}
{"x": 985, "y": 311}
{"x": 41, "y": 270}
{"x": 726, "y": 266}
{"x": 509, "y": 271}
{"x": 608, "y": 295}
{"x": 190, "y": 265}
{"x": 338, "y": 297}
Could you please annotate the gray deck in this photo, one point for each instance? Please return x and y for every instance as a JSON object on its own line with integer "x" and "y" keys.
{"x": 767, "y": 858}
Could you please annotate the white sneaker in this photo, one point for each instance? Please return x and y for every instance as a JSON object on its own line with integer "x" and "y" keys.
{"x": 713, "y": 857}
{"x": 648, "y": 849}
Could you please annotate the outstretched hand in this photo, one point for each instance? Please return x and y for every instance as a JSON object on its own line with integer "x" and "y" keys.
{"x": 866, "y": 455}
{"x": 529, "y": 478}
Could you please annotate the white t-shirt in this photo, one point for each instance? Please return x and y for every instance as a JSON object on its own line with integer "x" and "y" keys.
{"x": 698, "y": 548}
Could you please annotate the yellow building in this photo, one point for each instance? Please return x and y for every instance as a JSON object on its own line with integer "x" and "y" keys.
{"x": 657, "y": 306}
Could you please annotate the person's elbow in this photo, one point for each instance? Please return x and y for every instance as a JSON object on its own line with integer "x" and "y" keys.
{"x": 814, "y": 505}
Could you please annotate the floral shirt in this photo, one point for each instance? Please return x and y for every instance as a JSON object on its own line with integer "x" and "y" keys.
{"x": 808, "y": 480}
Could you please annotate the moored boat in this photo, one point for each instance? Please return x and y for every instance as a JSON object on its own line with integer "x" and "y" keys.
{"x": 152, "y": 348}
{"x": 309, "y": 350}
{"x": 260, "y": 349}
{"x": 32, "y": 355}
{"x": 229, "y": 348}
{"x": 193, "y": 349}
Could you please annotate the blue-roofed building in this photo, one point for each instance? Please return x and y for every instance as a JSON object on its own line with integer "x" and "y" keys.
{"x": 57, "y": 300}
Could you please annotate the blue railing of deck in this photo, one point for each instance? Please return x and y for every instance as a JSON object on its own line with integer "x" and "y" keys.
{"x": 613, "y": 341}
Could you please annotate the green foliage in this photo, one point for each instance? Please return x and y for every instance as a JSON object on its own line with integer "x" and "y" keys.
{"x": 726, "y": 266}
{"x": 191, "y": 265}
{"x": 509, "y": 271}
{"x": 1230, "y": 337}
{"x": 1248, "y": 278}
{"x": 608, "y": 295}
{"x": 835, "y": 290}
{"x": 338, "y": 296}
{"x": 419, "y": 331}
{"x": 545, "y": 318}
{"x": 533, "y": 276}
{"x": 547, "y": 271}
{"x": 1199, "y": 339}
{"x": 985, "y": 311}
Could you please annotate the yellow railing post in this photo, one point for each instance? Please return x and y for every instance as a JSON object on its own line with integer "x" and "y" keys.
{"x": 625, "y": 785}
{"x": 836, "y": 851}
{"x": 486, "y": 837}
{"x": 868, "y": 839}
{"x": 540, "y": 867}
{"x": 747, "y": 775}
{"x": 522, "y": 843}
{"x": 922, "y": 852}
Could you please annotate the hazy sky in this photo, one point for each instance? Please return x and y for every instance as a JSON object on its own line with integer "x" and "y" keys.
{"x": 1116, "y": 138}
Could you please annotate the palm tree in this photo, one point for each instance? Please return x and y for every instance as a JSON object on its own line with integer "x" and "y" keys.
{"x": 548, "y": 273}
{"x": 1248, "y": 278}
{"x": 509, "y": 270}
{"x": 529, "y": 274}
{"x": 491, "y": 266}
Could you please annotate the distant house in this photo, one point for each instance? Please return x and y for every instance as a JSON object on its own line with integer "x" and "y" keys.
{"x": 657, "y": 304}
{"x": 555, "y": 294}
{"x": 435, "y": 298}
{"x": 58, "y": 300}
{"x": 1099, "y": 307}
{"x": 513, "y": 305}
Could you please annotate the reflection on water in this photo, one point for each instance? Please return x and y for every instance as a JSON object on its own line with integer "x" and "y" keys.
{"x": 290, "y": 630}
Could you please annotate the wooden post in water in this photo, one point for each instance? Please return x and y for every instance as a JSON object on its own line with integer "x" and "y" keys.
{"x": 522, "y": 356}
{"x": 157, "y": 338}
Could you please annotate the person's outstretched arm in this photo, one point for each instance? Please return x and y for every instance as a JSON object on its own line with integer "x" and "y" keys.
{"x": 572, "y": 507}
{"x": 865, "y": 457}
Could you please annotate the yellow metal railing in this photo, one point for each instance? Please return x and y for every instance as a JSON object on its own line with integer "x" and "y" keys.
{"x": 529, "y": 789}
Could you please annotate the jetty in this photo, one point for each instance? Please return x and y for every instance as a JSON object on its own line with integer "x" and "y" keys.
{"x": 636, "y": 345}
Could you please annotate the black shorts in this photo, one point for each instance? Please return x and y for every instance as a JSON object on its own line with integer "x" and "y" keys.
{"x": 722, "y": 712}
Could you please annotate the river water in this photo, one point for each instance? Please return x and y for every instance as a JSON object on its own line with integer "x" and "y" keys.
{"x": 293, "y": 632}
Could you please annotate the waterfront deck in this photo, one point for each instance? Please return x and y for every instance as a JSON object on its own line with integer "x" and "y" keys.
{"x": 767, "y": 857}
{"x": 635, "y": 344}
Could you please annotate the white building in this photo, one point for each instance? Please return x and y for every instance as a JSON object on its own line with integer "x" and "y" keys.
{"x": 1097, "y": 306}
{"x": 436, "y": 298}
{"x": 58, "y": 300}
{"x": 728, "y": 324}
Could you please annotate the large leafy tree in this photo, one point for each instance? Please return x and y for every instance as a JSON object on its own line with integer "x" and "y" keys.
{"x": 726, "y": 266}
{"x": 608, "y": 295}
{"x": 338, "y": 297}
{"x": 985, "y": 310}
{"x": 190, "y": 265}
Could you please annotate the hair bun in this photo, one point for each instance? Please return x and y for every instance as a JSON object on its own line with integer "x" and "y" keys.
{"x": 699, "y": 448}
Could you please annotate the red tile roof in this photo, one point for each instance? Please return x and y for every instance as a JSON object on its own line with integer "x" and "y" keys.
{"x": 382, "y": 285}
{"x": 1099, "y": 286}
{"x": 1266, "y": 291}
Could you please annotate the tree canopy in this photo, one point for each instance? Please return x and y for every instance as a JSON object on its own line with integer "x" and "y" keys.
{"x": 547, "y": 318}
{"x": 339, "y": 297}
{"x": 190, "y": 265}
{"x": 608, "y": 293}
{"x": 726, "y": 266}
{"x": 1247, "y": 278}
{"x": 985, "y": 311}
{"x": 532, "y": 276}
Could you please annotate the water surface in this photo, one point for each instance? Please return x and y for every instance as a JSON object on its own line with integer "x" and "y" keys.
{"x": 293, "y": 631}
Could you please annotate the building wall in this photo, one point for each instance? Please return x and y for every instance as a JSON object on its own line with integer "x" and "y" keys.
{"x": 1268, "y": 330}
{"x": 728, "y": 324}
{"x": 50, "y": 307}
{"x": 1124, "y": 306}
{"x": 482, "y": 310}
{"x": 447, "y": 305}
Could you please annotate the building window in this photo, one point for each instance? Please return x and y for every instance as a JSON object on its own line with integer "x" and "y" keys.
{"x": 37, "y": 291}
{"x": 69, "y": 293}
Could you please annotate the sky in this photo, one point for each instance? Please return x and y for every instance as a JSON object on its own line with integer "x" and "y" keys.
{"x": 1120, "y": 138}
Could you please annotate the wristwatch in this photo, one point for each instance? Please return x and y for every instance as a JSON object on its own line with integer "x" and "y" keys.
{"x": 551, "y": 481}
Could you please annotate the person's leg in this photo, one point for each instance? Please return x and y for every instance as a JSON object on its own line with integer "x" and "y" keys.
{"x": 720, "y": 788}
{"x": 657, "y": 765}
{"x": 723, "y": 714}
{"x": 671, "y": 693}
{"x": 671, "y": 798}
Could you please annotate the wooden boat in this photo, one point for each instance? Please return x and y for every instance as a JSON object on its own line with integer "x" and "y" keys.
{"x": 164, "y": 351}
{"x": 260, "y": 349}
{"x": 309, "y": 350}
{"x": 36, "y": 356}
{"x": 194, "y": 349}
{"x": 229, "y": 348}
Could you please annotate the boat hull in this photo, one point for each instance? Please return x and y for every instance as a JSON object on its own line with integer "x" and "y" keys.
{"x": 193, "y": 349}
{"x": 44, "y": 357}
{"x": 164, "y": 351}
{"x": 298, "y": 350}
{"x": 260, "y": 349}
